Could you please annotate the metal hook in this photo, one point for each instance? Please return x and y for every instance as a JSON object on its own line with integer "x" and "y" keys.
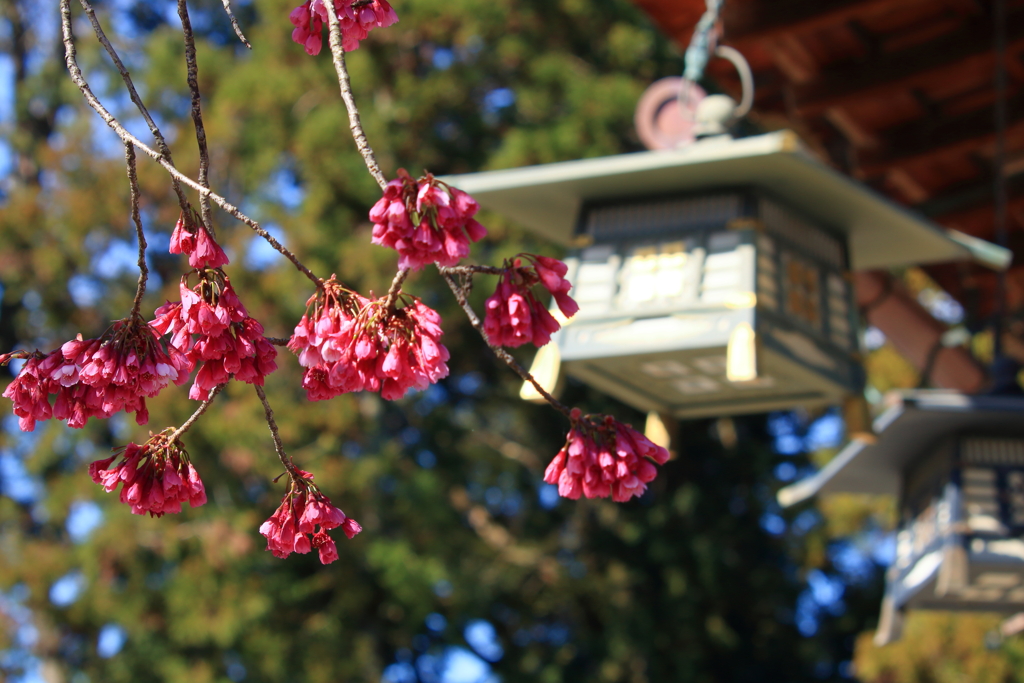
{"x": 737, "y": 59}
{"x": 746, "y": 77}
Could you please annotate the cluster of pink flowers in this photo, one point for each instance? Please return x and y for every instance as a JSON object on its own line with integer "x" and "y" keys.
{"x": 603, "y": 457}
{"x": 425, "y": 221}
{"x": 95, "y": 377}
{"x": 348, "y": 343}
{"x": 357, "y": 19}
{"x": 514, "y": 316}
{"x": 157, "y": 476}
{"x": 293, "y": 526}
{"x": 190, "y": 237}
{"x": 209, "y": 325}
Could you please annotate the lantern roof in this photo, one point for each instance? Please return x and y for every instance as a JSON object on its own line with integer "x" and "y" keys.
{"x": 547, "y": 199}
{"x": 906, "y": 431}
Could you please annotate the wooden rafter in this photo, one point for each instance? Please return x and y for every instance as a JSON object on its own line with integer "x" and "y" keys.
{"x": 932, "y": 137}
{"x": 839, "y": 86}
{"x": 745, "y": 22}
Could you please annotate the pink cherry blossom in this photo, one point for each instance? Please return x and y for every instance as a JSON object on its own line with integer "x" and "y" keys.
{"x": 183, "y": 239}
{"x": 325, "y": 546}
{"x": 603, "y": 457}
{"x": 303, "y": 519}
{"x": 156, "y": 477}
{"x": 97, "y": 377}
{"x": 357, "y": 19}
{"x": 513, "y": 315}
{"x": 211, "y": 329}
{"x": 426, "y": 221}
{"x": 192, "y": 238}
{"x": 349, "y": 343}
{"x": 30, "y": 390}
{"x": 552, "y": 275}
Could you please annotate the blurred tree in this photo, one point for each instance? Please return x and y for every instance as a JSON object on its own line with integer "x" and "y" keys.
{"x": 469, "y": 566}
{"x": 943, "y": 647}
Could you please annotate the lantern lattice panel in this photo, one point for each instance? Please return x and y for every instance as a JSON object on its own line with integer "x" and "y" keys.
{"x": 666, "y": 283}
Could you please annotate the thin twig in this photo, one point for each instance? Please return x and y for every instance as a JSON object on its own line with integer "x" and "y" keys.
{"x": 466, "y": 273}
{"x": 289, "y": 466}
{"x": 469, "y": 269}
{"x": 362, "y": 144}
{"x": 396, "y": 288}
{"x": 501, "y": 353}
{"x": 71, "y": 59}
{"x": 133, "y": 185}
{"x": 161, "y": 143}
{"x": 197, "y": 112}
{"x": 278, "y": 341}
{"x": 196, "y": 415}
{"x": 234, "y": 23}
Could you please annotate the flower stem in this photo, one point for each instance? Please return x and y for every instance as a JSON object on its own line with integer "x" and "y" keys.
{"x": 234, "y": 23}
{"x": 396, "y": 289}
{"x": 133, "y": 184}
{"x": 275, "y": 433}
{"x": 71, "y": 60}
{"x": 471, "y": 269}
{"x": 197, "y": 113}
{"x": 196, "y": 415}
{"x": 161, "y": 143}
{"x": 338, "y": 57}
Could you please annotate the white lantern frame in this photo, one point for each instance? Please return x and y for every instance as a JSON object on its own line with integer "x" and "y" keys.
{"x": 781, "y": 210}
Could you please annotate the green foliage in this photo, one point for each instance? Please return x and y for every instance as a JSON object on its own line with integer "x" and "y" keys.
{"x": 942, "y": 647}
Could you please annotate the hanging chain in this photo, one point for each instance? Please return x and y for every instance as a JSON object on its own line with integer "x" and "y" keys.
{"x": 702, "y": 42}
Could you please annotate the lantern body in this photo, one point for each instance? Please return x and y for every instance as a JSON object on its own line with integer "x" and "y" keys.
{"x": 712, "y": 277}
{"x": 956, "y": 464}
{"x": 959, "y": 545}
{"x": 710, "y": 304}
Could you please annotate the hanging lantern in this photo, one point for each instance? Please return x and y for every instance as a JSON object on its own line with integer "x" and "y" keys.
{"x": 713, "y": 279}
{"x": 956, "y": 465}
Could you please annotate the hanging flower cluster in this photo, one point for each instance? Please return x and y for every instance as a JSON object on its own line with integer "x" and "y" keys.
{"x": 190, "y": 237}
{"x": 357, "y": 19}
{"x": 294, "y": 525}
{"x": 209, "y": 325}
{"x": 513, "y": 315}
{"x": 425, "y": 221}
{"x": 603, "y": 457}
{"x": 345, "y": 342}
{"x": 349, "y": 343}
{"x": 95, "y": 377}
{"x": 157, "y": 476}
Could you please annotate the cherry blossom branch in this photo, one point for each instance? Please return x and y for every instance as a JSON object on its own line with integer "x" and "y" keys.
{"x": 498, "y": 351}
{"x": 234, "y": 23}
{"x": 187, "y": 425}
{"x": 161, "y": 143}
{"x": 338, "y": 57}
{"x": 466, "y": 273}
{"x": 197, "y": 112}
{"x": 133, "y": 185}
{"x": 268, "y": 412}
{"x": 71, "y": 59}
{"x": 396, "y": 288}
{"x": 471, "y": 269}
